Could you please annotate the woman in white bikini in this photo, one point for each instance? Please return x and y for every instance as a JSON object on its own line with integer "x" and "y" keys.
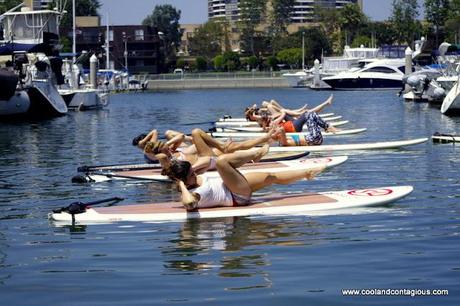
{"x": 232, "y": 188}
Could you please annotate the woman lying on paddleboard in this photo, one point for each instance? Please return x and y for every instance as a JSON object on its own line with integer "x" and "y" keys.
{"x": 312, "y": 136}
{"x": 232, "y": 188}
{"x": 253, "y": 113}
{"x": 291, "y": 120}
{"x": 175, "y": 139}
{"x": 205, "y": 149}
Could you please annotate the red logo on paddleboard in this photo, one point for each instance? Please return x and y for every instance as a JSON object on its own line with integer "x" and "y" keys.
{"x": 370, "y": 192}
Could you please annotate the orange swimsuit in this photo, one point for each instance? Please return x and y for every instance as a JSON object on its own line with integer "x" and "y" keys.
{"x": 288, "y": 126}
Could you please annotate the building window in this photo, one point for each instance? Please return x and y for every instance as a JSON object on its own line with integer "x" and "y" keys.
{"x": 139, "y": 34}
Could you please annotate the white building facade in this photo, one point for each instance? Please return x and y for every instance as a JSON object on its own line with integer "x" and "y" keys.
{"x": 302, "y": 13}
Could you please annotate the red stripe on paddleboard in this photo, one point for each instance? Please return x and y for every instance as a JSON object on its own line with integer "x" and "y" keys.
{"x": 370, "y": 192}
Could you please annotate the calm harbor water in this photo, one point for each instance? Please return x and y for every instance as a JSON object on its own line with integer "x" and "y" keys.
{"x": 282, "y": 260}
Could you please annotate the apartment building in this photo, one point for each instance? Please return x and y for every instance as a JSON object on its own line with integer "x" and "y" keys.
{"x": 301, "y": 16}
{"x": 133, "y": 47}
{"x": 302, "y": 13}
{"x": 38, "y": 4}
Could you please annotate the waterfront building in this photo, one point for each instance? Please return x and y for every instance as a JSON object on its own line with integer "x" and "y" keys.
{"x": 302, "y": 14}
{"x": 187, "y": 32}
{"x": 135, "y": 47}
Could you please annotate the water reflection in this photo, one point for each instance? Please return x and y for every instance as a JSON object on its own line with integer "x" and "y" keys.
{"x": 231, "y": 236}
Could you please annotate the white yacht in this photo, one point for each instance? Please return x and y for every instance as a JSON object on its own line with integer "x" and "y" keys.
{"x": 352, "y": 59}
{"x": 380, "y": 74}
{"x": 29, "y": 75}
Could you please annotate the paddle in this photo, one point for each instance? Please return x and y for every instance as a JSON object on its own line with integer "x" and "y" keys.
{"x": 87, "y": 177}
{"x": 119, "y": 167}
{"x": 445, "y": 135}
{"x": 198, "y": 123}
{"x": 80, "y": 207}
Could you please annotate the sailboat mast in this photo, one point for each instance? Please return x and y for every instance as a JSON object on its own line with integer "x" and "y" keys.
{"x": 74, "y": 33}
{"x": 107, "y": 45}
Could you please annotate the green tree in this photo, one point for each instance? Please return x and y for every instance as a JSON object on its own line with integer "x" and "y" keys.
{"x": 201, "y": 63}
{"x": 361, "y": 40}
{"x": 218, "y": 62}
{"x": 252, "y": 14}
{"x": 6, "y": 5}
{"x": 280, "y": 16}
{"x": 82, "y": 8}
{"x": 253, "y": 61}
{"x": 231, "y": 61}
{"x": 279, "y": 19}
{"x": 453, "y": 21}
{"x": 403, "y": 18}
{"x": 166, "y": 19}
{"x": 383, "y": 32}
{"x": 351, "y": 19}
{"x": 207, "y": 40}
{"x": 272, "y": 62}
{"x": 317, "y": 43}
{"x": 436, "y": 12}
{"x": 291, "y": 57}
{"x": 329, "y": 19}
{"x": 180, "y": 63}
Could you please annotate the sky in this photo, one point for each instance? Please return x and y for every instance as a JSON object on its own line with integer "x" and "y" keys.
{"x": 131, "y": 12}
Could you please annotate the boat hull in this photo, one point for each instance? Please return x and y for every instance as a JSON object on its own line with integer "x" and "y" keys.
{"x": 362, "y": 83}
{"x": 84, "y": 99}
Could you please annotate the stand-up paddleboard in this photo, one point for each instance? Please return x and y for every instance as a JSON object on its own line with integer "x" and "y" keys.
{"x": 301, "y": 134}
{"x": 254, "y": 123}
{"x": 445, "y": 138}
{"x": 231, "y": 119}
{"x": 155, "y": 174}
{"x": 352, "y": 146}
{"x": 257, "y": 129}
{"x": 270, "y": 205}
{"x": 270, "y": 157}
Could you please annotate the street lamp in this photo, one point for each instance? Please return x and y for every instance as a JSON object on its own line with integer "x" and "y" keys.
{"x": 125, "y": 39}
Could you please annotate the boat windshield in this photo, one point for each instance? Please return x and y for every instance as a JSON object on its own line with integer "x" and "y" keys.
{"x": 380, "y": 69}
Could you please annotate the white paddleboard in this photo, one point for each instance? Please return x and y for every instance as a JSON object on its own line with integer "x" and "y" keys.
{"x": 254, "y": 123}
{"x": 351, "y": 146}
{"x": 256, "y": 134}
{"x": 155, "y": 174}
{"x": 244, "y": 119}
{"x": 270, "y": 205}
{"x": 260, "y": 130}
{"x": 445, "y": 138}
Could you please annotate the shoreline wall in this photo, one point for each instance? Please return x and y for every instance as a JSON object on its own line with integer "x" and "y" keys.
{"x": 217, "y": 83}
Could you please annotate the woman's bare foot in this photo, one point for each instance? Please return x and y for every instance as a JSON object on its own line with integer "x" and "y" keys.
{"x": 329, "y": 100}
{"x": 314, "y": 172}
{"x": 261, "y": 153}
{"x": 190, "y": 206}
{"x": 272, "y": 131}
